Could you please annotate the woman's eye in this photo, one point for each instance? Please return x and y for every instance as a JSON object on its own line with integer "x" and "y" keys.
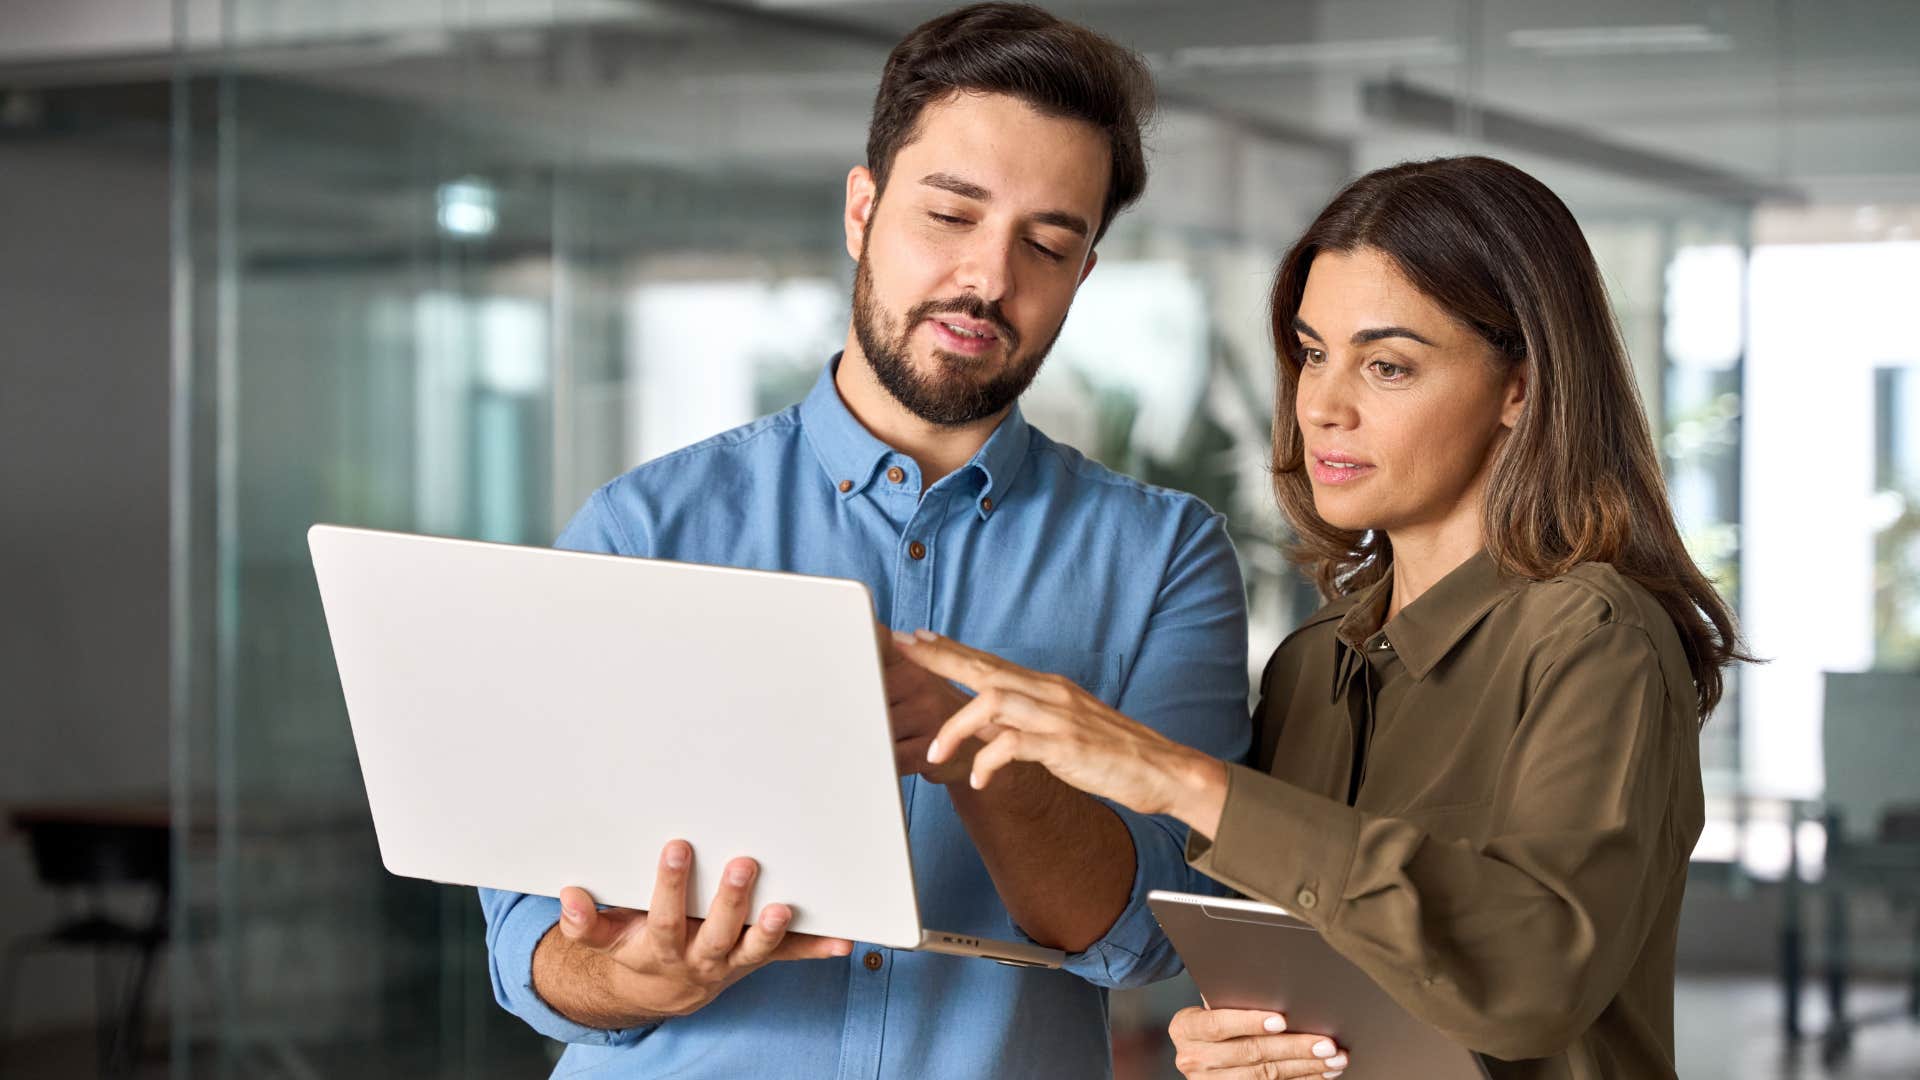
{"x": 1312, "y": 357}
{"x": 1389, "y": 371}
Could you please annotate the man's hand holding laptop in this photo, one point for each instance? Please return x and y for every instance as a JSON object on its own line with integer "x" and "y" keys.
{"x": 659, "y": 963}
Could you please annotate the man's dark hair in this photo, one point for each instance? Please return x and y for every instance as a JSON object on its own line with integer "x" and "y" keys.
{"x": 1059, "y": 68}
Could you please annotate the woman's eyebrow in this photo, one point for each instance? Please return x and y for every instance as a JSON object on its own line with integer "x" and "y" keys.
{"x": 1381, "y": 333}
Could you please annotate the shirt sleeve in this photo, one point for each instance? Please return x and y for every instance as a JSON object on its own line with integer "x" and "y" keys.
{"x": 1512, "y": 947}
{"x": 516, "y": 922}
{"x": 1189, "y": 682}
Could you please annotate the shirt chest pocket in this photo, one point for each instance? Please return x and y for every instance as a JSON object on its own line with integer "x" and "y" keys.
{"x": 1097, "y": 673}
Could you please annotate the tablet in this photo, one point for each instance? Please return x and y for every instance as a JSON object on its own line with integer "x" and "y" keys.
{"x": 1248, "y": 955}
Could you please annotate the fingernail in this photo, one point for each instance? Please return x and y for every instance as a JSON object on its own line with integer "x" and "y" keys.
{"x": 572, "y": 914}
{"x": 1323, "y": 1049}
{"x": 933, "y": 750}
{"x": 738, "y": 875}
{"x": 1331, "y": 1075}
{"x": 1276, "y": 1023}
{"x": 676, "y": 856}
{"x": 903, "y": 637}
{"x": 976, "y": 781}
{"x": 925, "y": 634}
{"x": 843, "y": 948}
{"x": 1337, "y": 1062}
{"x": 773, "y": 920}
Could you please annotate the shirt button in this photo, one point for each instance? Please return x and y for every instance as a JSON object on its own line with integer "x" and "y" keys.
{"x": 986, "y": 505}
{"x": 1306, "y": 899}
{"x": 917, "y": 550}
{"x": 873, "y": 961}
{"x": 846, "y": 486}
{"x": 896, "y": 474}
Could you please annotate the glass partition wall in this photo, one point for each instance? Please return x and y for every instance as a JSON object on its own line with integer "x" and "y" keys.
{"x": 446, "y": 268}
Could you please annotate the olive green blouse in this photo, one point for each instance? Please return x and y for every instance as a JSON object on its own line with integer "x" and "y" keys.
{"x": 1488, "y": 804}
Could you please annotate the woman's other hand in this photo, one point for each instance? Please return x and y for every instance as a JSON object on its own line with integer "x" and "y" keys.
{"x": 1245, "y": 1044}
{"x": 1023, "y": 715}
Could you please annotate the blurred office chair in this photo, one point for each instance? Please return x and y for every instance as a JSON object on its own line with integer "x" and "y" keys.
{"x": 82, "y": 851}
{"x": 1870, "y": 729}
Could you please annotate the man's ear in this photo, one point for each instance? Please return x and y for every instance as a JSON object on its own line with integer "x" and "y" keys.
{"x": 1092, "y": 257}
{"x": 862, "y": 196}
{"x": 1516, "y": 400}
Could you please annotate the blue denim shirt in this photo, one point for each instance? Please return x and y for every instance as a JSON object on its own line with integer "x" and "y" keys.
{"x": 1030, "y": 551}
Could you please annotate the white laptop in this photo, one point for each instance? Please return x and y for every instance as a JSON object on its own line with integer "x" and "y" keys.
{"x": 528, "y": 719}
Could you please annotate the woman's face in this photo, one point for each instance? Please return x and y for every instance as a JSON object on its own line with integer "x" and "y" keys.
{"x": 1400, "y": 405}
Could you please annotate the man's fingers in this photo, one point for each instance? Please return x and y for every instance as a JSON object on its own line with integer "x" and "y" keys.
{"x": 1196, "y": 1024}
{"x": 667, "y": 918}
{"x": 809, "y": 947}
{"x": 727, "y": 915}
{"x": 767, "y": 940}
{"x": 757, "y": 944}
{"x": 582, "y": 923}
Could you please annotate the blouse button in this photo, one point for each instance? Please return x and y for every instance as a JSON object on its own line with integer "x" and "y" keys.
{"x": 873, "y": 961}
{"x": 896, "y": 474}
{"x": 1306, "y": 899}
{"x": 846, "y": 486}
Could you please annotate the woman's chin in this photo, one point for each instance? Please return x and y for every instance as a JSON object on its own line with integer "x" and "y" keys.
{"x": 1337, "y": 513}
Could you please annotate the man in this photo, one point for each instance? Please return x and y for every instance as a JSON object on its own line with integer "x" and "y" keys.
{"x": 1003, "y": 142}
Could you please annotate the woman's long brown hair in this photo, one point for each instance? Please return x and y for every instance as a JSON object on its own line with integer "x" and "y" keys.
{"x": 1578, "y": 479}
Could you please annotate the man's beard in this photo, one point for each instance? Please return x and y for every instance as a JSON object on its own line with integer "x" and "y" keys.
{"x": 950, "y": 396}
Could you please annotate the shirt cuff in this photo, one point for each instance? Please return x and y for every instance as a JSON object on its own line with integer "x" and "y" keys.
{"x": 512, "y": 939}
{"x": 1280, "y": 844}
{"x": 1134, "y": 951}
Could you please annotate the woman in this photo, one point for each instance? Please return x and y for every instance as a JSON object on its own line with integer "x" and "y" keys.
{"x": 1476, "y": 768}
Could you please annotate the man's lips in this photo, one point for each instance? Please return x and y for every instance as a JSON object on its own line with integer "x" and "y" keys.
{"x": 966, "y": 327}
{"x": 968, "y": 337}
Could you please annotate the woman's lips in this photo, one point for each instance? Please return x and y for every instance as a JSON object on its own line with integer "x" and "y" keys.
{"x": 1338, "y": 470}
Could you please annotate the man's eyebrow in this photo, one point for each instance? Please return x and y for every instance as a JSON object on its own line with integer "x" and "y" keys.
{"x": 1060, "y": 219}
{"x": 967, "y": 189}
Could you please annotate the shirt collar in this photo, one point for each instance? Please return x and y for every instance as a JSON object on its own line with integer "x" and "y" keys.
{"x": 851, "y": 455}
{"x": 1427, "y": 629}
{"x": 848, "y": 452}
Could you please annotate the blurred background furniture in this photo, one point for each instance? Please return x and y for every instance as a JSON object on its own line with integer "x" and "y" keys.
{"x": 84, "y": 851}
{"x": 1872, "y": 815}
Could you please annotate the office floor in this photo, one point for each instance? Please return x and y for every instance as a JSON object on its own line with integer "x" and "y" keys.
{"x": 1728, "y": 1027}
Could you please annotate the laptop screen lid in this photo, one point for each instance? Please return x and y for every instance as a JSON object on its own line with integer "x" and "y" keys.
{"x": 528, "y": 719}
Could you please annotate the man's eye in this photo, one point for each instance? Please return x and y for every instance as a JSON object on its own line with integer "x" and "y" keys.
{"x": 1046, "y": 251}
{"x": 946, "y": 219}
